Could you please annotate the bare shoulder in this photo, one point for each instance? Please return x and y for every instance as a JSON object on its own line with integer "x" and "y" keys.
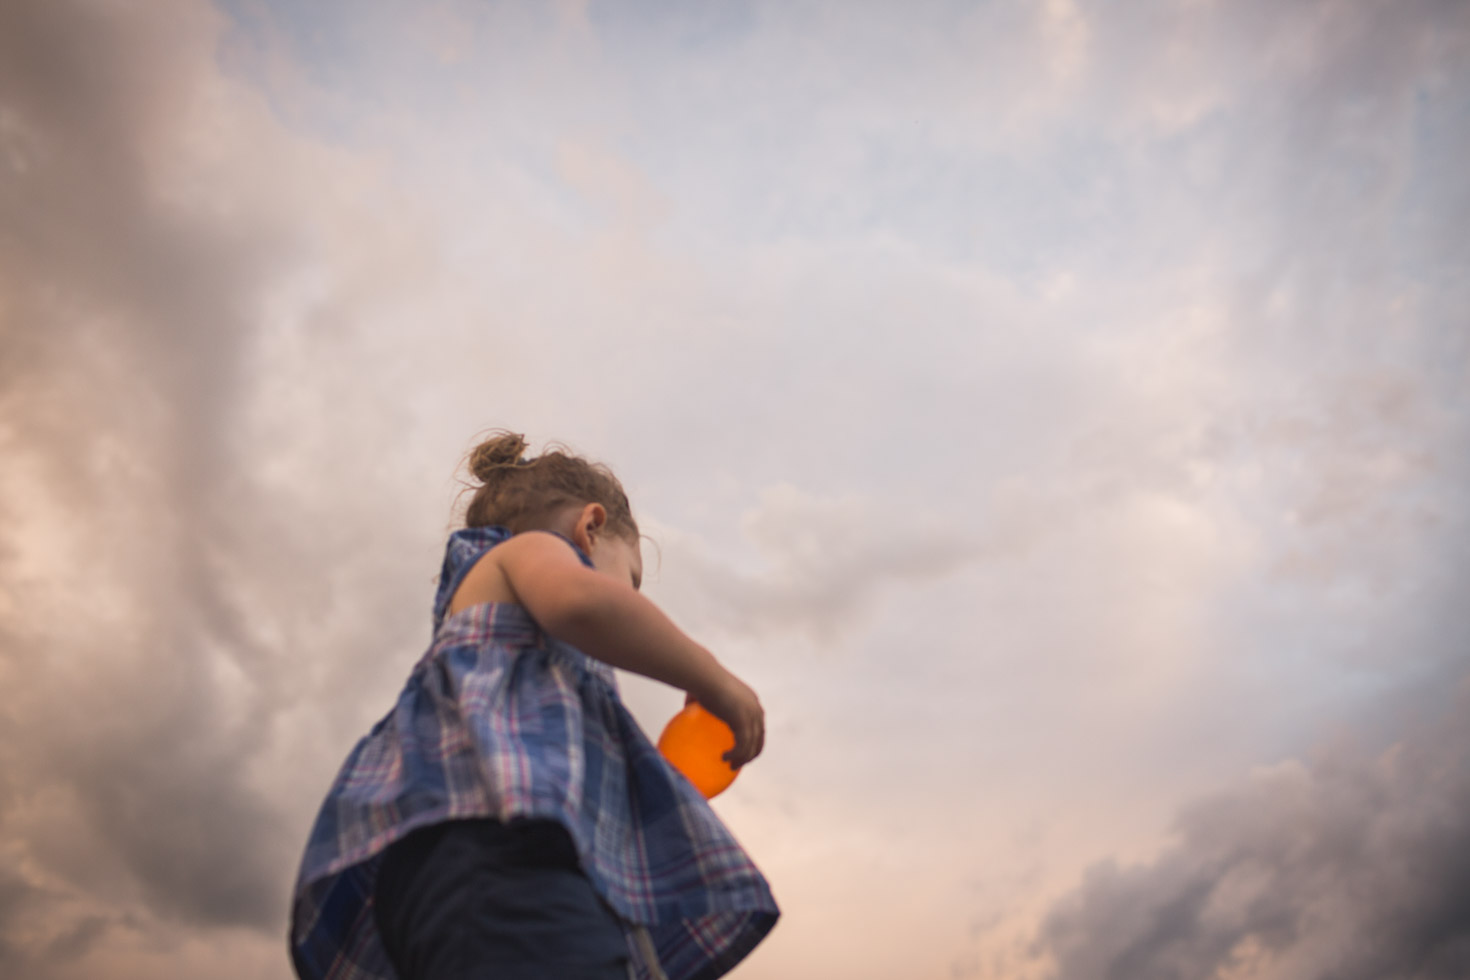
{"x": 492, "y": 578}
{"x": 537, "y": 547}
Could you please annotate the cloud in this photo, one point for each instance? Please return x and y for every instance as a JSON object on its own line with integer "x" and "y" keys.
{"x": 130, "y": 302}
{"x": 16, "y": 895}
{"x": 820, "y": 563}
{"x": 149, "y": 611}
{"x": 1106, "y": 360}
{"x": 1354, "y": 866}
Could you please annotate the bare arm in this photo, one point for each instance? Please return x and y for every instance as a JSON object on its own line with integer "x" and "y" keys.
{"x": 611, "y": 621}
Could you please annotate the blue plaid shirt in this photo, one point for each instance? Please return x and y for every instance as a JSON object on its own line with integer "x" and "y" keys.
{"x": 499, "y": 719}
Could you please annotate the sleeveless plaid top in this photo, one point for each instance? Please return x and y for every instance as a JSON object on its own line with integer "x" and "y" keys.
{"x": 499, "y": 719}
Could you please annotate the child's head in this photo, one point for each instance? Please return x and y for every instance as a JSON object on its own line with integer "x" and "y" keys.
{"x": 555, "y": 491}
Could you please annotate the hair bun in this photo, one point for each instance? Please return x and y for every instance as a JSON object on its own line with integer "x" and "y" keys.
{"x": 522, "y": 494}
{"x": 495, "y": 453}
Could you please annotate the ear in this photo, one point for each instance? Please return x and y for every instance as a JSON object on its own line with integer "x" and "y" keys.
{"x": 590, "y": 521}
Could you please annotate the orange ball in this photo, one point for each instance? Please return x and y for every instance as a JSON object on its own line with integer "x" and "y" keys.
{"x": 693, "y": 742}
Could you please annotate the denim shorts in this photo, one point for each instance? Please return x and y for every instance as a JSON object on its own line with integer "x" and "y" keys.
{"x": 485, "y": 900}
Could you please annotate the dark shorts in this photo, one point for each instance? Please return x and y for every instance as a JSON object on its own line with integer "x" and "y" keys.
{"x": 485, "y": 900}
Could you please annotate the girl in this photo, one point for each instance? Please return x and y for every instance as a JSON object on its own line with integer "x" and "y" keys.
{"x": 508, "y": 819}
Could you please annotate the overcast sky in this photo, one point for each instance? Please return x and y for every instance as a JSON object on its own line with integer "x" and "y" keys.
{"x": 1059, "y": 411}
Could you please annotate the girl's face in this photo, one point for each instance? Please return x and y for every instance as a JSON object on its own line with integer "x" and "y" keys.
{"x": 617, "y": 557}
{"x": 612, "y": 554}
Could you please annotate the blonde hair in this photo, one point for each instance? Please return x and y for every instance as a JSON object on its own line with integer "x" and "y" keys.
{"x": 523, "y": 494}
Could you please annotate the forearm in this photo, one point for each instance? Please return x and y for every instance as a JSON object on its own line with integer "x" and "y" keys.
{"x": 620, "y": 627}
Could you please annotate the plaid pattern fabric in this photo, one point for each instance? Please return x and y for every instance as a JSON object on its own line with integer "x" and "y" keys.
{"x": 499, "y": 719}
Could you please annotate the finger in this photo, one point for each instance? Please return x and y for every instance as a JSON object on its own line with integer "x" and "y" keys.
{"x": 748, "y": 748}
{"x": 740, "y": 754}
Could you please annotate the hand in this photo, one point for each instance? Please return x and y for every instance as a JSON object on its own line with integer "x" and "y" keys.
{"x": 732, "y": 701}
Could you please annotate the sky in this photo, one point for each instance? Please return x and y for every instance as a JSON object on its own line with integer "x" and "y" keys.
{"x": 1058, "y": 411}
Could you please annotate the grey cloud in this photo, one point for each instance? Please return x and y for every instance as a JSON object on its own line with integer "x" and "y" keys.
{"x": 16, "y": 894}
{"x": 1354, "y": 867}
{"x": 29, "y": 909}
{"x": 124, "y": 322}
{"x": 76, "y": 941}
{"x": 169, "y": 609}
